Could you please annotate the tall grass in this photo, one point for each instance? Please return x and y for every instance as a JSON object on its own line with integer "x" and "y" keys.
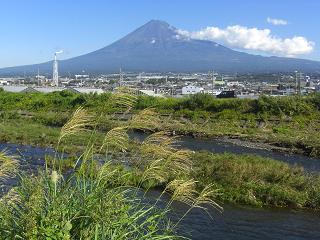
{"x": 98, "y": 200}
{"x": 8, "y": 165}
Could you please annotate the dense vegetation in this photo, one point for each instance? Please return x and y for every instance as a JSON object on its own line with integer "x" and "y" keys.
{"x": 97, "y": 200}
{"x": 66, "y": 100}
{"x": 289, "y": 122}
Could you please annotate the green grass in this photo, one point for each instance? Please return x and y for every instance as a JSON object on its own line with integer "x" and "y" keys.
{"x": 253, "y": 180}
{"x": 245, "y": 180}
{"x": 300, "y": 135}
{"x": 257, "y": 190}
{"x": 96, "y": 200}
{"x": 81, "y": 208}
{"x": 291, "y": 122}
{"x": 28, "y": 132}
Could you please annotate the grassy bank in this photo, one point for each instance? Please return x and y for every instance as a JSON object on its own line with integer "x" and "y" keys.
{"x": 299, "y": 136}
{"x": 245, "y": 180}
{"x": 28, "y": 132}
{"x": 289, "y": 122}
{"x": 253, "y": 180}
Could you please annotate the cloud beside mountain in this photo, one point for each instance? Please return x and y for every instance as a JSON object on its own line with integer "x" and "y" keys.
{"x": 242, "y": 37}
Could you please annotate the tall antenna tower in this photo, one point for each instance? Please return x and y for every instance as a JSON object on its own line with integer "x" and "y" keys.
{"x": 55, "y": 74}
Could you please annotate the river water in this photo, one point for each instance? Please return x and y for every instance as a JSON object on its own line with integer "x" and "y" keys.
{"x": 234, "y": 222}
{"x": 220, "y": 146}
{"x": 245, "y": 223}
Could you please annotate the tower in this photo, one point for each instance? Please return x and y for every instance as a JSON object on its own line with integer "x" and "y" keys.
{"x": 55, "y": 74}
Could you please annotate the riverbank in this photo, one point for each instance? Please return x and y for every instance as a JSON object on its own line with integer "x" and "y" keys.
{"x": 41, "y": 129}
{"x": 289, "y": 124}
{"x": 286, "y": 136}
{"x": 244, "y": 179}
{"x": 240, "y": 179}
{"x": 253, "y": 180}
{"x": 29, "y": 132}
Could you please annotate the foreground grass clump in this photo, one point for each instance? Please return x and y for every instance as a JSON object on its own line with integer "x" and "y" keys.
{"x": 95, "y": 199}
{"x": 48, "y": 207}
{"x": 253, "y": 180}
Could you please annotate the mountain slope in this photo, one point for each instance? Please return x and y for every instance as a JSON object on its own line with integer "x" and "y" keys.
{"x": 157, "y": 47}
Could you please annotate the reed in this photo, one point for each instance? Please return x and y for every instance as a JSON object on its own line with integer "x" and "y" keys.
{"x": 8, "y": 165}
{"x": 96, "y": 200}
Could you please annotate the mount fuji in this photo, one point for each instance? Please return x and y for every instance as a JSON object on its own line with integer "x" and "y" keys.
{"x": 158, "y": 47}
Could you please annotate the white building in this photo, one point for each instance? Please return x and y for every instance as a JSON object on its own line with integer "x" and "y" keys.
{"x": 87, "y": 90}
{"x": 149, "y": 93}
{"x": 190, "y": 89}
{"x": 4, "y": 82}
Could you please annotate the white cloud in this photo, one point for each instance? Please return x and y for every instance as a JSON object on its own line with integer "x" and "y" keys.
{"x": 275, "y": 21}
{"x": 253, "y": 39}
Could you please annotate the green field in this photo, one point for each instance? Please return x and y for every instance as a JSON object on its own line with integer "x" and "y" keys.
{"x": 102, "y": 199}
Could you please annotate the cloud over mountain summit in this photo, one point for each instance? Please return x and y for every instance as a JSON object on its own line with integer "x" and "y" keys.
{"x": 254, "y": 39}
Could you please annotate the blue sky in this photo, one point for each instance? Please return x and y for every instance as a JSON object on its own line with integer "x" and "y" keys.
{"x": 32, "y": 30}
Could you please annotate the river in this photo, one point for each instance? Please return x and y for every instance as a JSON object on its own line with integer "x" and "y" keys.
{"x": 221, "y": 146}
{"x": 246, "y": 223}
{"x": 234, "y": 222}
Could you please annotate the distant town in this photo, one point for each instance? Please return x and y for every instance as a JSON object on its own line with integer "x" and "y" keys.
{"x": 171, "y": 84}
